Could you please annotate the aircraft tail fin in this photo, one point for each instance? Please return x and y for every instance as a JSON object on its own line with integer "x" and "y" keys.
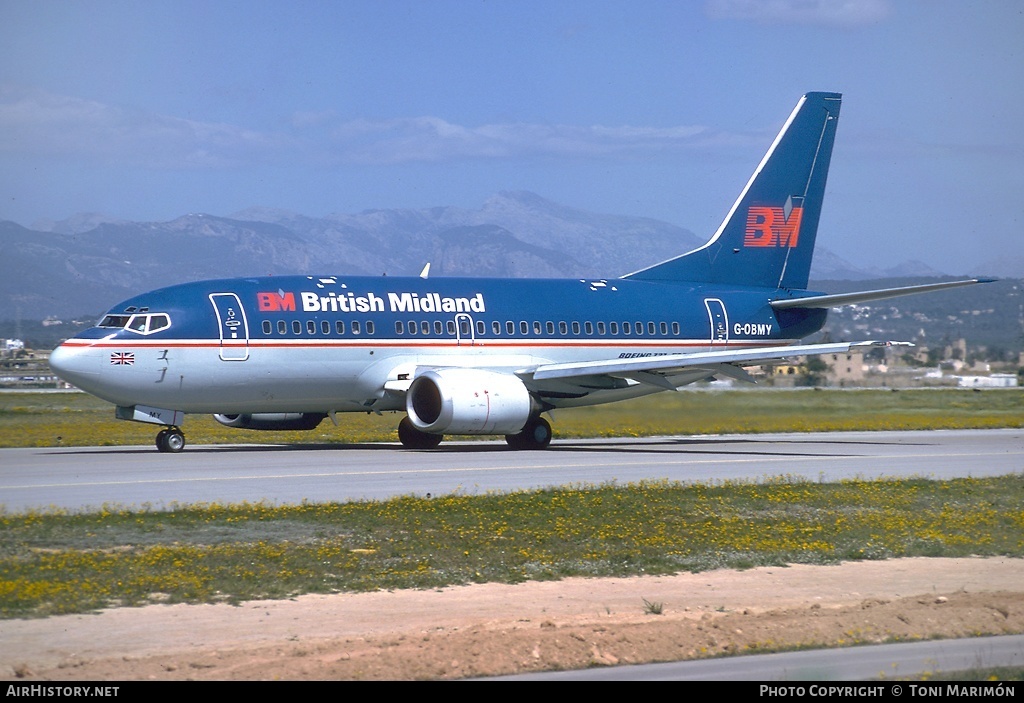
{"x": 767, "y": 239}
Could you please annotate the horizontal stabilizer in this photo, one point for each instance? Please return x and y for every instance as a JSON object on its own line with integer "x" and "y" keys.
{"x": 839, "y": 299}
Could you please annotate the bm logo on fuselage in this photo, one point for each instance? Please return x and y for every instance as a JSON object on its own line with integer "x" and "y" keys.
{"x": 279, "y": 301}
{"x": 772, "y": 226}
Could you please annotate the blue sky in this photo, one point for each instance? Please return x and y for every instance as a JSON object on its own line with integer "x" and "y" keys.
{"x": 150, "y": 110}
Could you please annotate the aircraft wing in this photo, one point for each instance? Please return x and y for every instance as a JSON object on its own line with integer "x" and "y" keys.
{"x": 655, "y": 369}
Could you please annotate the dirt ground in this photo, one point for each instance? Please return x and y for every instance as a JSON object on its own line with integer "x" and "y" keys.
{"x": 494, "y": 629}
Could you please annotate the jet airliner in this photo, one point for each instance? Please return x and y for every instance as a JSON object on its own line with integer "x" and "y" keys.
{"x": 477, "y": 356}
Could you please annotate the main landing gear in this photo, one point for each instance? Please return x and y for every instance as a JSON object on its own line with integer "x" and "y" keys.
{"x": 536, "y": 434}
{"x": 412, "y": 438}
{"x": 171, "y": 440}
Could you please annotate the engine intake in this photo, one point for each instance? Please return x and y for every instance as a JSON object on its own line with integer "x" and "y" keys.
{"x": 468, "y": 401}
{"x": 272, "y": 421}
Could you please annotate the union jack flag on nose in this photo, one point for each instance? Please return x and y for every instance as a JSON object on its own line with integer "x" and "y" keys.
{"x": 122, "y": 358}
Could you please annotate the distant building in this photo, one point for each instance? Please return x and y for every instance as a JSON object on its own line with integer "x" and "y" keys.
{"x": 846, "y": 369}
{"x": 996, "y": 380}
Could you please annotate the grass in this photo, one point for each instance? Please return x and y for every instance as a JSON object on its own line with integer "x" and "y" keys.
{"x": 76, "y": 419}
{"x": 53, "y": 562}
{"x": 653, "y": 607}
{"x": 969, "y": 676}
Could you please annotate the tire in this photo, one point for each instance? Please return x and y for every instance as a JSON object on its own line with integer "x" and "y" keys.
{"x": 536, "y": 434}
{"x": 412, "y": 438}
{"x": 172, "y": 440}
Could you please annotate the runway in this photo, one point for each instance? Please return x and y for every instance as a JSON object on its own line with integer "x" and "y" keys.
{"x": 89, "y": 477}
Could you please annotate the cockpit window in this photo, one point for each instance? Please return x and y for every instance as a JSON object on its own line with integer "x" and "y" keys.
{"x": 141, "y": 323}
{"x": 114, "y": 321}
{"x": 159, "y": 321}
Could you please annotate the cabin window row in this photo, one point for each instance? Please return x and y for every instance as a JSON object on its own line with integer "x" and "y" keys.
{"x": 537, "y": 328}
{"x": 437, "y": 328}
{"x": 311, "y": 328}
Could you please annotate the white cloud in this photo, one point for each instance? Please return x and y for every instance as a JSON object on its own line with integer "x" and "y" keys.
{"x": 43, "y": 125}
{"x": 835, "y": 13}
{"x": 36, "y": 123}
{"x": 434, "y": 139}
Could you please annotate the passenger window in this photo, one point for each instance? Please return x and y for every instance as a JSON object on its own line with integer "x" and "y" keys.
{"x": 296, "y": 327}
{"x": 587, "y": 326}
{"x": 675, "y": 328}
{"x": 563, "y": 328}
{"x": 355, "y": 327}
{"x": 600, "y": 328}
{"x": 496, "y": 328}
{"x": 282, "y": 327}
{"x": 664, "y": 329}
{"x": 614, "y": 327}
{"x": 412, "y": 327}
{"x": 550, "y": 327}
{"x": 450, "y": 326}
{"x": 438, "y": 328}
{"x": 339, "y": 327}
{"x": 310, "y": 326}
{"x": 399, "y": 327}
{"x": 369, "y": 327}
{"x": 267, "y": 327}
{"x": 325, "y": 327}
{"x": 481, "y": 328}
{"x": 524, "y": 327}
{"x": 425, "y": 327}
{"x": 510, "y": 327}
{"x": 536, "y": 327}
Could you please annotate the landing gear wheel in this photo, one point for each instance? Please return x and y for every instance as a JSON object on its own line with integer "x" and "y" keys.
{"x": 170, "y": 440}
{"x": 412, "y": 438}
{"x": 536, "y": 434}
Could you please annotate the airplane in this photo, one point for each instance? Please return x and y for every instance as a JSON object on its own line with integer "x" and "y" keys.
{"x": 480, "y": 356}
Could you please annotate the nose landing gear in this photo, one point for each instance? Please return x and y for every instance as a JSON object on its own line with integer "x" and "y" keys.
{"x": 171, "y": 440}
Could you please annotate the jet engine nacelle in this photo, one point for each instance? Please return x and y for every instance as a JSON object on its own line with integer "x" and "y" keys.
{"x": 468, "y": 401}
{"x": 272, "y": 421}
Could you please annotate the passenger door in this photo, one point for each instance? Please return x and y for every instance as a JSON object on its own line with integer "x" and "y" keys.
{"x": 719, "y": 323}
{"x": 234, "y": 329}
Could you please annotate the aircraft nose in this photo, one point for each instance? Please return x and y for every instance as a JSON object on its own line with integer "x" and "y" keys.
{"x": 73, "y": 364}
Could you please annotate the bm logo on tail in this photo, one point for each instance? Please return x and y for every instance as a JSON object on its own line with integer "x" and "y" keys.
{"x": 774, "y": 226}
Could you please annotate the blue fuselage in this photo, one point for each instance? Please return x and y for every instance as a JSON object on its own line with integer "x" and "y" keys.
{"x": 324, "y": 344}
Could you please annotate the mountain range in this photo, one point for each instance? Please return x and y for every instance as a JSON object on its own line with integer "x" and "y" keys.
{"x": 85, "y": 264}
